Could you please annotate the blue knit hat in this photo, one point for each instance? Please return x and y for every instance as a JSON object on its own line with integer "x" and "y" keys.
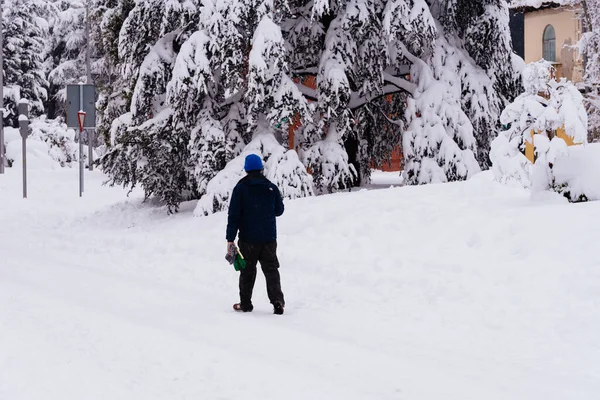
{"x": 253, "y": 163}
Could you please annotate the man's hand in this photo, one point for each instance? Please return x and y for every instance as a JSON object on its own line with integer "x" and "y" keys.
{"x": 230, "y": 247}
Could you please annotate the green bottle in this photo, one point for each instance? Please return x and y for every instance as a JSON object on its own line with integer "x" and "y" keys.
{"x": 239, "y": 262}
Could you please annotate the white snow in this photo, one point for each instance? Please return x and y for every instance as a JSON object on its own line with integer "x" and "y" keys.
{"x": 458, "y": 291}
{"x": 50, "y": 145}
{"x": 579, "y": 169}
{"x": 267, "y": 35}
{"x": 539, "y": 3}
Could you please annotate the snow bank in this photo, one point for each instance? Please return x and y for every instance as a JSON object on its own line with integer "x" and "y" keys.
{"x": 462, "y": 291}
{"x": 38, "y": 156}
{"x": 577, "y": 172}
{"x": 50, "y": 145}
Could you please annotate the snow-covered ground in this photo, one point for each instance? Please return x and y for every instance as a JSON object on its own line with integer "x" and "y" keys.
{"x": 456, "y": 291}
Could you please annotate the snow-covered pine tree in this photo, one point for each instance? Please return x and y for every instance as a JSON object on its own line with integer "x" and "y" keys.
{"x": 327, "y": 158}
{"x": 270, "y": 98}
{"x": 147, "y": 23}
{"x": 270, "y": 90}
{"x": 138, "y": 34}
{"x": 437, "y": 56}
{"x": 153, "y": 150}
{"x": 487, "y": 39}
{"x": 25, "y": 31}
{"x": 591, "y": 48}
{"x": 114, "y": 94}
{"x": 438, "y": 143}
{"x": 66, "y": 52}
{"x": 384, "y": 70}
{"x": 207, "y": 149}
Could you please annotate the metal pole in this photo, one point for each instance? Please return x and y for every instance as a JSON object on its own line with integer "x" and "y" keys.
{"x": 1, "y": 91}
{"x": 81, "y": 144}
{"x": 90, "y": 136}
{"x": 88, "y": 69}
{"x": 23, "y": 111}
{"x": 24, "y": 146}
{"x": 80, "y": 163}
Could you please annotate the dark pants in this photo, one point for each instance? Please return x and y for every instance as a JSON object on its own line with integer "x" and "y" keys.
{"x": 266, "y": 254}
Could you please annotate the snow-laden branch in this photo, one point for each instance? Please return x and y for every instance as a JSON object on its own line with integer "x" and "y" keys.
{"x": 308, "y": 92}
{"x": 395, "y": 85}
{"x": 401, "y": 83}
{"x": 234, "y": 98}
{"x": 306, "y": 71}
{"x": 399, "y": 123}
{"x": 358, "y": 100}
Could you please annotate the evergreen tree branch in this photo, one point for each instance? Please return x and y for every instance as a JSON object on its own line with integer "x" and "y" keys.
{"x": 401, "y": 83}
{"x": 309, "y": 93}
{"x": 357, "y": 100}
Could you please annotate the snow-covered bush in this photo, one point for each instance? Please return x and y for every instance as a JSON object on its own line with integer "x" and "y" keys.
{"x": 509, "y": 164}
{"x": 50, "y": 142}
{"x": 576, "y": 173}
{"x": 60, "y": 140}
{"x": 550, "y": 116}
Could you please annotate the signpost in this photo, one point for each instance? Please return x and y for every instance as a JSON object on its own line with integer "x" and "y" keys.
{"x": 81, "y": 120}
{"x": 81, "y": 114}
{"x": 24, "y": 130}
{"x": 81, "y": 98}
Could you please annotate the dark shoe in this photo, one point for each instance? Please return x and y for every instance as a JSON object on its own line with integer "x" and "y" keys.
{"x": 278, "y": 308}
{"x": 239, "y": 307}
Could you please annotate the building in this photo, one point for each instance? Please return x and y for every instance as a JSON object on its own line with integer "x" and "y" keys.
{"x": 549, "y": 30}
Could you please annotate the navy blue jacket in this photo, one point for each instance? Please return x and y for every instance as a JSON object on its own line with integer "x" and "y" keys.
{"x": 255, "y": 202}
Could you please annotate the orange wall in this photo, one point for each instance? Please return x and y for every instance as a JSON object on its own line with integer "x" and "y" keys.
{"x": 395, "y": 163}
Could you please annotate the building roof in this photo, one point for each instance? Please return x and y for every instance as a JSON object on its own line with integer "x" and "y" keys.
{"x": 531, "y": 5}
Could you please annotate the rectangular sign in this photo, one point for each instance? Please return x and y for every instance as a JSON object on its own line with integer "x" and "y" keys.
{"x": 74, "y": 105}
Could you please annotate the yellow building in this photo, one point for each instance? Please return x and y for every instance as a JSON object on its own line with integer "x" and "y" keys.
{"x": 549, "y": 30}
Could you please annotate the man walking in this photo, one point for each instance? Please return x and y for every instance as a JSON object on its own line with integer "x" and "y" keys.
{"x": 255, "y": 202}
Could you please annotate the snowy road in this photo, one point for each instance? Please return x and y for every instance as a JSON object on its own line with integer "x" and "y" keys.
{"x": 459, "y": 291}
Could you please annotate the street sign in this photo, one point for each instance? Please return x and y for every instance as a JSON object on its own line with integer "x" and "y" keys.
{"x": 76, "y": 103}
{"x": 81, "y": 120}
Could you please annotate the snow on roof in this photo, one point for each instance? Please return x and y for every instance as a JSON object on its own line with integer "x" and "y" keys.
{"x": 540, "y": 3}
